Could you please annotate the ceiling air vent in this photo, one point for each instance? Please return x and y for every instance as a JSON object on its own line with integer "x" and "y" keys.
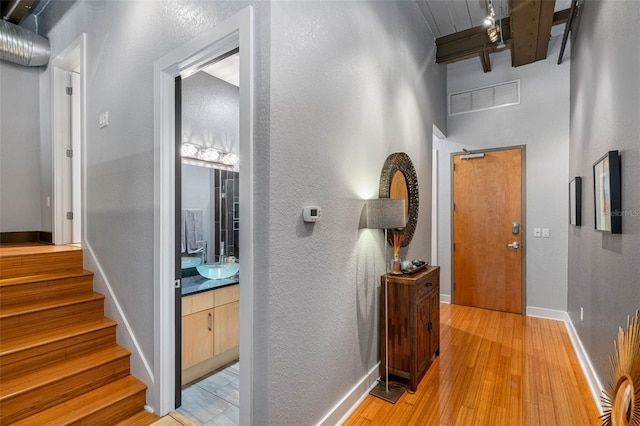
{"x": 488, "y": 97}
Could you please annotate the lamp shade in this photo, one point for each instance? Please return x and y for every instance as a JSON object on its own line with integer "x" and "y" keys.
{"x": 386, "y": 213}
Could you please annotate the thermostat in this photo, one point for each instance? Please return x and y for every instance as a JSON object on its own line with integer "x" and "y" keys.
{"x": 311, "y": 213}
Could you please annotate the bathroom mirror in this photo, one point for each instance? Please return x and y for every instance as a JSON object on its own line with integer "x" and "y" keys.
{"x": 399, "y": 180}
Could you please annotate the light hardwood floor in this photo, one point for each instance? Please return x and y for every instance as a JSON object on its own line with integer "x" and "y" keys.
{"x": 494, "y": 369}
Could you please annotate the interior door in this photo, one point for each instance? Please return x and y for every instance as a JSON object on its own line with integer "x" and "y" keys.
{"x": 488, "y": 230}
{"x": 178, "y": 246}
{"x": 76, "y": 165}
{"x": 63, "y": 156}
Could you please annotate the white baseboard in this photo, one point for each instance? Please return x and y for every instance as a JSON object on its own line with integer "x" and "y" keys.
{"x": 587, "y": 368}
{"x": 545, "y": 313}
{"x": 140, "y": 367}
{"x": 581, "y": 353}
{"x": 347, "y": 405}
{"x": 445, "y": 298}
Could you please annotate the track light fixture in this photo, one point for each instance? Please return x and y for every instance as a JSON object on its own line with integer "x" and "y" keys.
{"x": 493, "y": 29}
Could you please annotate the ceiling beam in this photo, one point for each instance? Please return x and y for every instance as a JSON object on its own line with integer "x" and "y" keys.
{"x": 468, "y": 43}
{"x": 565, "y": 36}
{"x": 486, "y": 61}
{"x": 475, "y": 41}
{"x": 531, "y": 22}
{"x": 15, "y": 11}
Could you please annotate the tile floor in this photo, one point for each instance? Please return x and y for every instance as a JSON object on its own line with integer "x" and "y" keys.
{"x": 213, "y": 401}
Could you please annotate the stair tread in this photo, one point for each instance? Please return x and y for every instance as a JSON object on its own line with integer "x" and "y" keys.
{"x": 85, "y": 404}
{"x": 53, "y": 335}
{"x": 29, "y": 250}
{"x": 42, "y": 305}
{"x": 13, "y": 386}
{"x": 57, "y": 347}
{"x": 141, "y": 418}
{"x": 51, "y": 276}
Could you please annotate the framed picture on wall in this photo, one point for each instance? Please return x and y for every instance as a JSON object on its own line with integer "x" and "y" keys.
{"x": 575, "y": 201}
{"x": 607, "y": 193}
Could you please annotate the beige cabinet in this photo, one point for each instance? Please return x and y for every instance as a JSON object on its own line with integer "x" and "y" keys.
{"x": 197, "y": 337}
{"x": 226, "y": 327}
{"x": 210, "y": 330}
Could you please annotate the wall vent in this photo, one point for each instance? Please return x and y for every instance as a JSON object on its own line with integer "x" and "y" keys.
{"x": 482, "y": 98}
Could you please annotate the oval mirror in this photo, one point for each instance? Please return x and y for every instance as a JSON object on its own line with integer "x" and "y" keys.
{"x": 623, "y": 403}
{"x": 399, "y": 180}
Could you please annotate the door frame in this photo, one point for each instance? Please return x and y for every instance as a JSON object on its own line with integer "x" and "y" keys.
{"x": 523, "y": 227}
{"x": 71, "y": 59}
{"x": 234, "y": 32}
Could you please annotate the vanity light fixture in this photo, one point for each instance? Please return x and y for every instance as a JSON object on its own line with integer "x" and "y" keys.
{"x": 208, "y": 155}
{"x": 229, "y": 159}
{"x": 188, "y": 150}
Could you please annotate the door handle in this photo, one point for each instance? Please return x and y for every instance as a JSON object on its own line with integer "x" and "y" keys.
{"x": 515, "y": 245}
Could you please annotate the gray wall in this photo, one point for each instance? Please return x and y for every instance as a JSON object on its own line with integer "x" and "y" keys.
{"x": 211, "y": 112}
{"x": 605, "y": 111}
{"x": 123, "y": 41}
{"x": 19, "y": 148}
{"x": 351, "y": 83}
{"x": 541, "y": 123}
{"x": 339, "y": 86}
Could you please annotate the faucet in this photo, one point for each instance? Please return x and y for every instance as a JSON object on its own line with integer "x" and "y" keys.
{"x": 203, "y": 251}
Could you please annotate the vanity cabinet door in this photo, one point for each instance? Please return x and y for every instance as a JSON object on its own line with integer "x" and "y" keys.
{"x": 226, "y": 327}
{"x": 197, "y": 337}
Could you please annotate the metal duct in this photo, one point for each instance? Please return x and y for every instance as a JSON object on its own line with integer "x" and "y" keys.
{"x": 23, "y": 47}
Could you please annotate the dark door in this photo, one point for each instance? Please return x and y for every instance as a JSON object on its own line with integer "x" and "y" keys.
{"x": 178, "y": 236}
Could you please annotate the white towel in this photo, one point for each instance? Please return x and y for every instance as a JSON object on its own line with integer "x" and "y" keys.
{"x": 193, "y": 229}
{"x": 183, "y": 228}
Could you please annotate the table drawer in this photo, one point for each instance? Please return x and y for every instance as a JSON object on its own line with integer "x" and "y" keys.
{"x": 431, "y": 282}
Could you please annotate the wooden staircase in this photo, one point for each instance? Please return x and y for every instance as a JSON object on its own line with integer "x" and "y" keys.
{"x": 59, "y": 361}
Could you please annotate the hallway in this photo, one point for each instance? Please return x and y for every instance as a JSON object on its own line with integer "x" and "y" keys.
{"x": 494, "y": 369}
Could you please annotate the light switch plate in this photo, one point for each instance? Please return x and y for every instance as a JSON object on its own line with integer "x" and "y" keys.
{"x": 103, "y": 120}
{"x": 545, "y": 232}
{"x": 537, "y": 233}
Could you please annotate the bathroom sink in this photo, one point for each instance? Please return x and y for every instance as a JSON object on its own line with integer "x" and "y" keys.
{"x": 190, "y": 262}
{"x": 218, "y": 271}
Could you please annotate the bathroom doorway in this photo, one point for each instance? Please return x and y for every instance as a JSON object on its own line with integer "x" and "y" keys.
{"x": 208, "y": 231}
{"x": 234, "y": 32}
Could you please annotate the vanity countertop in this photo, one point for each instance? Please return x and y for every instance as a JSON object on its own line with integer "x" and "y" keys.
{"x": 199, "y": 284}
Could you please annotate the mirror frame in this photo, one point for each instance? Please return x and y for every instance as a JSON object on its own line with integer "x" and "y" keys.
{"x": 620, "y": 400}
{"x": 399, "y": 161}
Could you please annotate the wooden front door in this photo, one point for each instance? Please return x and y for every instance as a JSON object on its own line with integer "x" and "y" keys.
{"x": 487, "y": 230}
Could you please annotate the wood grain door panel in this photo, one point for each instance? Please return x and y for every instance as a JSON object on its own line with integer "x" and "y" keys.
{"x": 487, "y": 200}
{"x": 197, "y": 338}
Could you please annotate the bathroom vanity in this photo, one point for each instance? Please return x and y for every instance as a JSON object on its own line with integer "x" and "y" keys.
{"x": 210, "y": 328}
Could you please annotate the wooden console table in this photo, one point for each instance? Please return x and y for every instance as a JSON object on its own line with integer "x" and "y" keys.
{"x": 414, "y": 324}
